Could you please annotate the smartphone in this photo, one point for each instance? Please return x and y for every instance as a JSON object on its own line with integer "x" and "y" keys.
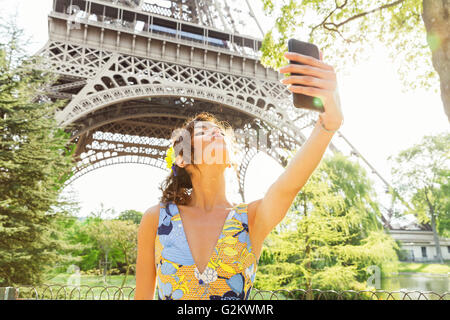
{"x": 301, "y": 100}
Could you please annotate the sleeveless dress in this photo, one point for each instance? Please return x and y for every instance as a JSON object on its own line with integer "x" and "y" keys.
{"x": 231, "y": 269}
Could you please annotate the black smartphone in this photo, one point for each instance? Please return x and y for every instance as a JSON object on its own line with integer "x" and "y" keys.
{"x": 301, "y": 100}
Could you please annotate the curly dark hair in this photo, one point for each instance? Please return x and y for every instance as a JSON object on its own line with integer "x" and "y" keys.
{"x": 178, "y": 189}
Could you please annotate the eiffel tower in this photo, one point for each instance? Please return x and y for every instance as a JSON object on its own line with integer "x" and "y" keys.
{"x": 133, "y": 70}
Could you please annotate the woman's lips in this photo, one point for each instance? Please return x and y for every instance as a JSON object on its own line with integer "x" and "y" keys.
{"x": 217, "y": 136}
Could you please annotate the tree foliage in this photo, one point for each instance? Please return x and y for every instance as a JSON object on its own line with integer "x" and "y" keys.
{"x": 421, "y": 174}
{"x": 131, "y": 215}
{"x": 125, "y": 232}
{"x": 332, "y": 234}
{"x": 35, "y": 161}
{"x": 347, "y": 32}
{"x": 90, "y": 240}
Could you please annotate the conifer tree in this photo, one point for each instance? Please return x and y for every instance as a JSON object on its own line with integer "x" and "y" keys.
{"x": 35, "y": 160}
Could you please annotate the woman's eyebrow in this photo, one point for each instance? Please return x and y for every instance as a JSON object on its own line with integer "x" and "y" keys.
{"x": 208, "y": 126}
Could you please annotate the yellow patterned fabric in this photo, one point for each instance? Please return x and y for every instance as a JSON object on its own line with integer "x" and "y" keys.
{"x": 230, "y": 272}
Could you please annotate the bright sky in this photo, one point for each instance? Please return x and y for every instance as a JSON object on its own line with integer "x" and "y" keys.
{"x": 380, "y": 121}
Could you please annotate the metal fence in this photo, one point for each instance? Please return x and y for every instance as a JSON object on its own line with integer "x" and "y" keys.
{"x": 85, "y": 292}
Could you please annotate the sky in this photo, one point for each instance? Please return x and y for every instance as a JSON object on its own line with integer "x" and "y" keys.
{"x": 380, "y": 121}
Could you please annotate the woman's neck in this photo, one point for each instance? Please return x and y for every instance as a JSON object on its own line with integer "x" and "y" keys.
{"x": 209, "y": 189}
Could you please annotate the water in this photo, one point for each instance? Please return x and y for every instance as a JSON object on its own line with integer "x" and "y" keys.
{"x": 417, "y": 282}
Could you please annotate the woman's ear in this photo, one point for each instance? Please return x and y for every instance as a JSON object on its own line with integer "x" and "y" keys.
{"x": 179, "y": 161}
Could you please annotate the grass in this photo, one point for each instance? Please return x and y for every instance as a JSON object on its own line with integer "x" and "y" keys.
{"x": 93, "y": 280}
{"x": 116, "y": 281}
{"x": 90, "y": 287}
{"x": 432, "y": 268}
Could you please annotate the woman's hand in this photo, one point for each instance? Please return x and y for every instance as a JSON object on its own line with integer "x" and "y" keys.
{"x": 318, "y": 80}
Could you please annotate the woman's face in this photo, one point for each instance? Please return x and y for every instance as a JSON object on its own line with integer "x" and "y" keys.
{"x": 210, "y": 144}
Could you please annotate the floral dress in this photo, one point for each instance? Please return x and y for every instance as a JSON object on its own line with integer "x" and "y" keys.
{"x": 230, "y": 272}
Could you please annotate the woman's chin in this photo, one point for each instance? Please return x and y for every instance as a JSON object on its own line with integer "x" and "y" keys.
{"x": 218, "y": 146}
{"x": 215, "y": 163}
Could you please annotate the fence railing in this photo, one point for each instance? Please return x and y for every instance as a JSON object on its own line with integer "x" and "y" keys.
{"x": 85, "y": 292}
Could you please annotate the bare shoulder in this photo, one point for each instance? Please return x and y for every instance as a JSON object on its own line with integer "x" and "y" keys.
{"x": 150, "y": 218}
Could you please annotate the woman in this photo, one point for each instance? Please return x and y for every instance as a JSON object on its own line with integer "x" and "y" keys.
{"x": 195, "y": 244}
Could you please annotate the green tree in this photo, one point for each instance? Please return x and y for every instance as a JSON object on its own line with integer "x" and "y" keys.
{"x": 88, "y": 253}
{"x": 35, "y": 161}
{"x": 416, "y": 34}
{"x": 115, "y": 235}
{"x": 422, "y": 173}
{"x": 90, "y": 248}
{"x": 104, "y": 237}
{"x": 131, "y": 215}
{"x": 332, "y": 234}
{"x": 63, "y": 226}
{"x": 125, "y": 233}
{"x": 443, "y": 226}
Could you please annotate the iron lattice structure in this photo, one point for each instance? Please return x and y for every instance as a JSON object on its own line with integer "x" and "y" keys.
{"x": 131, "y": 71}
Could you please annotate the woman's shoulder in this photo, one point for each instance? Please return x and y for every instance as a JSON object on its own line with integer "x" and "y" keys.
{"x": 150, "y": 217}
{"x": 154, "y": 210}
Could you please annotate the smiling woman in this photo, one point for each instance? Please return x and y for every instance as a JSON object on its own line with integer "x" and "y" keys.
{"x": 195, "y": 244}
{"x": 216, "y": 259}
{"x": 201, "y": 140}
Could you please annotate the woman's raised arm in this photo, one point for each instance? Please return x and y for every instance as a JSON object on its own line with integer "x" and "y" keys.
{"x": 318, "y": 80}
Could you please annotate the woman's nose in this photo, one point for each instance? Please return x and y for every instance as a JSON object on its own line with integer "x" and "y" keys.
{"x": 216, "y": 132}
